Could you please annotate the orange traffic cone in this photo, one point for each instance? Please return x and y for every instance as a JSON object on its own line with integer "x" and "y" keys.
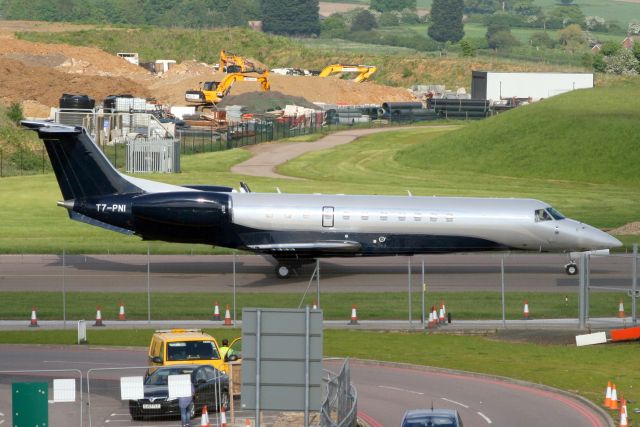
{"x": 223, "y": 417}
{"x": 621, "y": 309}
{"x": 121, "y": 315}
{"x": 34, "y": 318}
{"x": 354, "y": 315}
{"x": 247, "y": 422}
{"x": 431, "y": 319}
{"x": 98, "y": 317}
{"x": 624, "y": 422}
{"x": 607, "y": 396}
{"x": 525, "y": 313}
{"x": 435, "y": 315}
{"x": 204, "y": 418}
{"x": 216, "y": 311}
{"x": 227, "y": 317}
{"x": 614, "y": 398}
{"x": 441, "y": 315}
{"x": 315, "y": 305}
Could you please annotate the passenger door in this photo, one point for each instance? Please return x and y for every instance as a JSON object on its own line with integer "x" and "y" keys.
{"x": 327, "y": 216}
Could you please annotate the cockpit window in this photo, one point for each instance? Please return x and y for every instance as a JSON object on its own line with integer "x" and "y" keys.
{"x": 543, "y": 215}
{"x": 555, "y": 214}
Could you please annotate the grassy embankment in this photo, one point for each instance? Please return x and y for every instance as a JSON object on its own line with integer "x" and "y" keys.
{"x": 584, "y": 370}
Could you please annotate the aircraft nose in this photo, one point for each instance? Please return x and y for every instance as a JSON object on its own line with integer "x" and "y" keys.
{"x": 600, "y": 240}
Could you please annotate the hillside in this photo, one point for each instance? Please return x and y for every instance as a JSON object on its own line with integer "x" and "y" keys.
{"x": 589, "y": 136}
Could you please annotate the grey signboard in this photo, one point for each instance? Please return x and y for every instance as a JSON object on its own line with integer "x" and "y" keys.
{"x": 281, "y": 359}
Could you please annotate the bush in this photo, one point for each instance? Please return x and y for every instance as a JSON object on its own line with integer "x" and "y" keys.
{"x": 542, "y": 39}
{"x": 502, "y": 40}
{"x": 388, "y": 19}
{"x": 14, "y": 113}
{"x": 334, "y": 27}
{"x": 410, "y": 18}
{"x": 467, "y": 48}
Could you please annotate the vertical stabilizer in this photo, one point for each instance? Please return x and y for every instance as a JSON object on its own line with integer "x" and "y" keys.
{"x": 82, "y": 170}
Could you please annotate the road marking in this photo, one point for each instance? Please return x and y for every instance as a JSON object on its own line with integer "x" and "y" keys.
{"x": 1, "y": 421}
{"x": 119, "y": 415}
{"x": 487, "y": 419}
{"x": 400, "y": 389}
{"x": 454, "y": 402}
{"x": 83, "y": 363}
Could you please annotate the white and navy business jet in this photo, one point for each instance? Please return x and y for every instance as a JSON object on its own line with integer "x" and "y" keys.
{"x": 298, "y": 228}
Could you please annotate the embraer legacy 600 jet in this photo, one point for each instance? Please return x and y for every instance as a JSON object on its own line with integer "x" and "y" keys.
{"x": 298, "y": 228}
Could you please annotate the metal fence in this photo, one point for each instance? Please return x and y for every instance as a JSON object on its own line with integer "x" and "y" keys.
{"x": 153, "y": 155}
{"x": 340, "y": 407}
{"x": 58, "y": 399}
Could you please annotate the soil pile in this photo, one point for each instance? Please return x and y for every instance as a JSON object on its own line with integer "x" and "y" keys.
{"x": 37, "y": 74}
{"x": 260, "y": 102}
{"x": 632, "y": 228}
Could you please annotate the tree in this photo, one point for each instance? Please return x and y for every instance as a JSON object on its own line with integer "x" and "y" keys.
{"x": 561, "y": 16}
{"x": 623, "y": 62}
{"x": 391, "y": 5}
{"x": 572, "y": 37}
{"x": 363, "y": 21}
{"x": 566, "y": 2}
{"x": 467, "y": 48}
{"x": 446, "y": 20}
{"x": 293, "y": 17}
{"x": 502, "y": 40}
{"x": 482, "y": 6}
{"x": 334, "y": 27}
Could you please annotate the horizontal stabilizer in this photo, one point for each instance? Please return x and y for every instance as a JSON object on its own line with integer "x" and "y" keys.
{"x": 87, "y": 220}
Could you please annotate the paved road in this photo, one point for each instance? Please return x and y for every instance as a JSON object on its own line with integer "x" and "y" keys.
{"x": 128, "y": 273}
{"x": 385, "y": 391}
{"x": 268, "y": 156}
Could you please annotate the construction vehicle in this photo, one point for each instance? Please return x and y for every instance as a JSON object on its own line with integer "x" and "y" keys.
{"x": 210, "y": 93}
{"x": 364, "y": 71}
{"x": 232, "y": 63}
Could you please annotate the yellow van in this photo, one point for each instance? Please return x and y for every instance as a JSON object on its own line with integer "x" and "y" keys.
{"x": 184, "y": 346}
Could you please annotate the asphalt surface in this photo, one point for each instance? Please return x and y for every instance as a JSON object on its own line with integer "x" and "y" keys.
{"x": 460, "y": 272}
{"x": 385, "y": 391}
{"x": 267, "y": 157}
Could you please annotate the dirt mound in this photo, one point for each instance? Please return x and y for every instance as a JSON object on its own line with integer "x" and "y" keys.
{"x": 259, "y": 102}
{"x": 37, "y": 74}
{"x": 632, "y": 228}
{"x": 43, "y": 86}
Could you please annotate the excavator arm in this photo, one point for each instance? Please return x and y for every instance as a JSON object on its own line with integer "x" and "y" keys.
{"x": 364, "y": 71}
{"x": 211, "y": 93}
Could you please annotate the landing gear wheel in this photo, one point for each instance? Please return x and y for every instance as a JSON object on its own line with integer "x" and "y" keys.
{"x": 283, "y": 271}
{"x": 571, "y": 269}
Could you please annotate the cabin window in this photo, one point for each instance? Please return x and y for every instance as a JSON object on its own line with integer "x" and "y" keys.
{"x": 269, "y": 214}
{"x": 542, "y": 215}
{"x": 365, "y": 217}
{"x": 346, "y": 216}
{"x": 433, "y": 218}
{"x": 402, "y": 218}
{"x": 417, "y": 217}
{"x": 306, "y": 215}
{"x": 449, "y": 217}
{"x": 384, "y": 216}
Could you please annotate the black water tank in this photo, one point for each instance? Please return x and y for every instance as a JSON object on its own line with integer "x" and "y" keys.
{"x": 80, "y": 102}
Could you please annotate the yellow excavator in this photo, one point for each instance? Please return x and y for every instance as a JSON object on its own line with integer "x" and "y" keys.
{"x": 364, "y": 71}
{"x": 210, "y": 93}
{"x": 232, "y": 63}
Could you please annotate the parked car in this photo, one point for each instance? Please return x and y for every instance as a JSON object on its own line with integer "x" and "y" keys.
{"x": 431, "y": 418}
{"x": 211, "y": 389}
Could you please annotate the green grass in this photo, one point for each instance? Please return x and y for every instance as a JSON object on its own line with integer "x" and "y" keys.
{"x": 583, "y": 370}
{"x": 336, "y": 306}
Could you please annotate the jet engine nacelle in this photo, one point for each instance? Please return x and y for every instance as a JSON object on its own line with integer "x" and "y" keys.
{"x": 183, "y": 209}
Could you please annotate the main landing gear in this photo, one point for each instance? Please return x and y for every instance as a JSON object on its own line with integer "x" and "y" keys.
{"x": 571, "y": 268}
{"x": 283, "y": 271}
